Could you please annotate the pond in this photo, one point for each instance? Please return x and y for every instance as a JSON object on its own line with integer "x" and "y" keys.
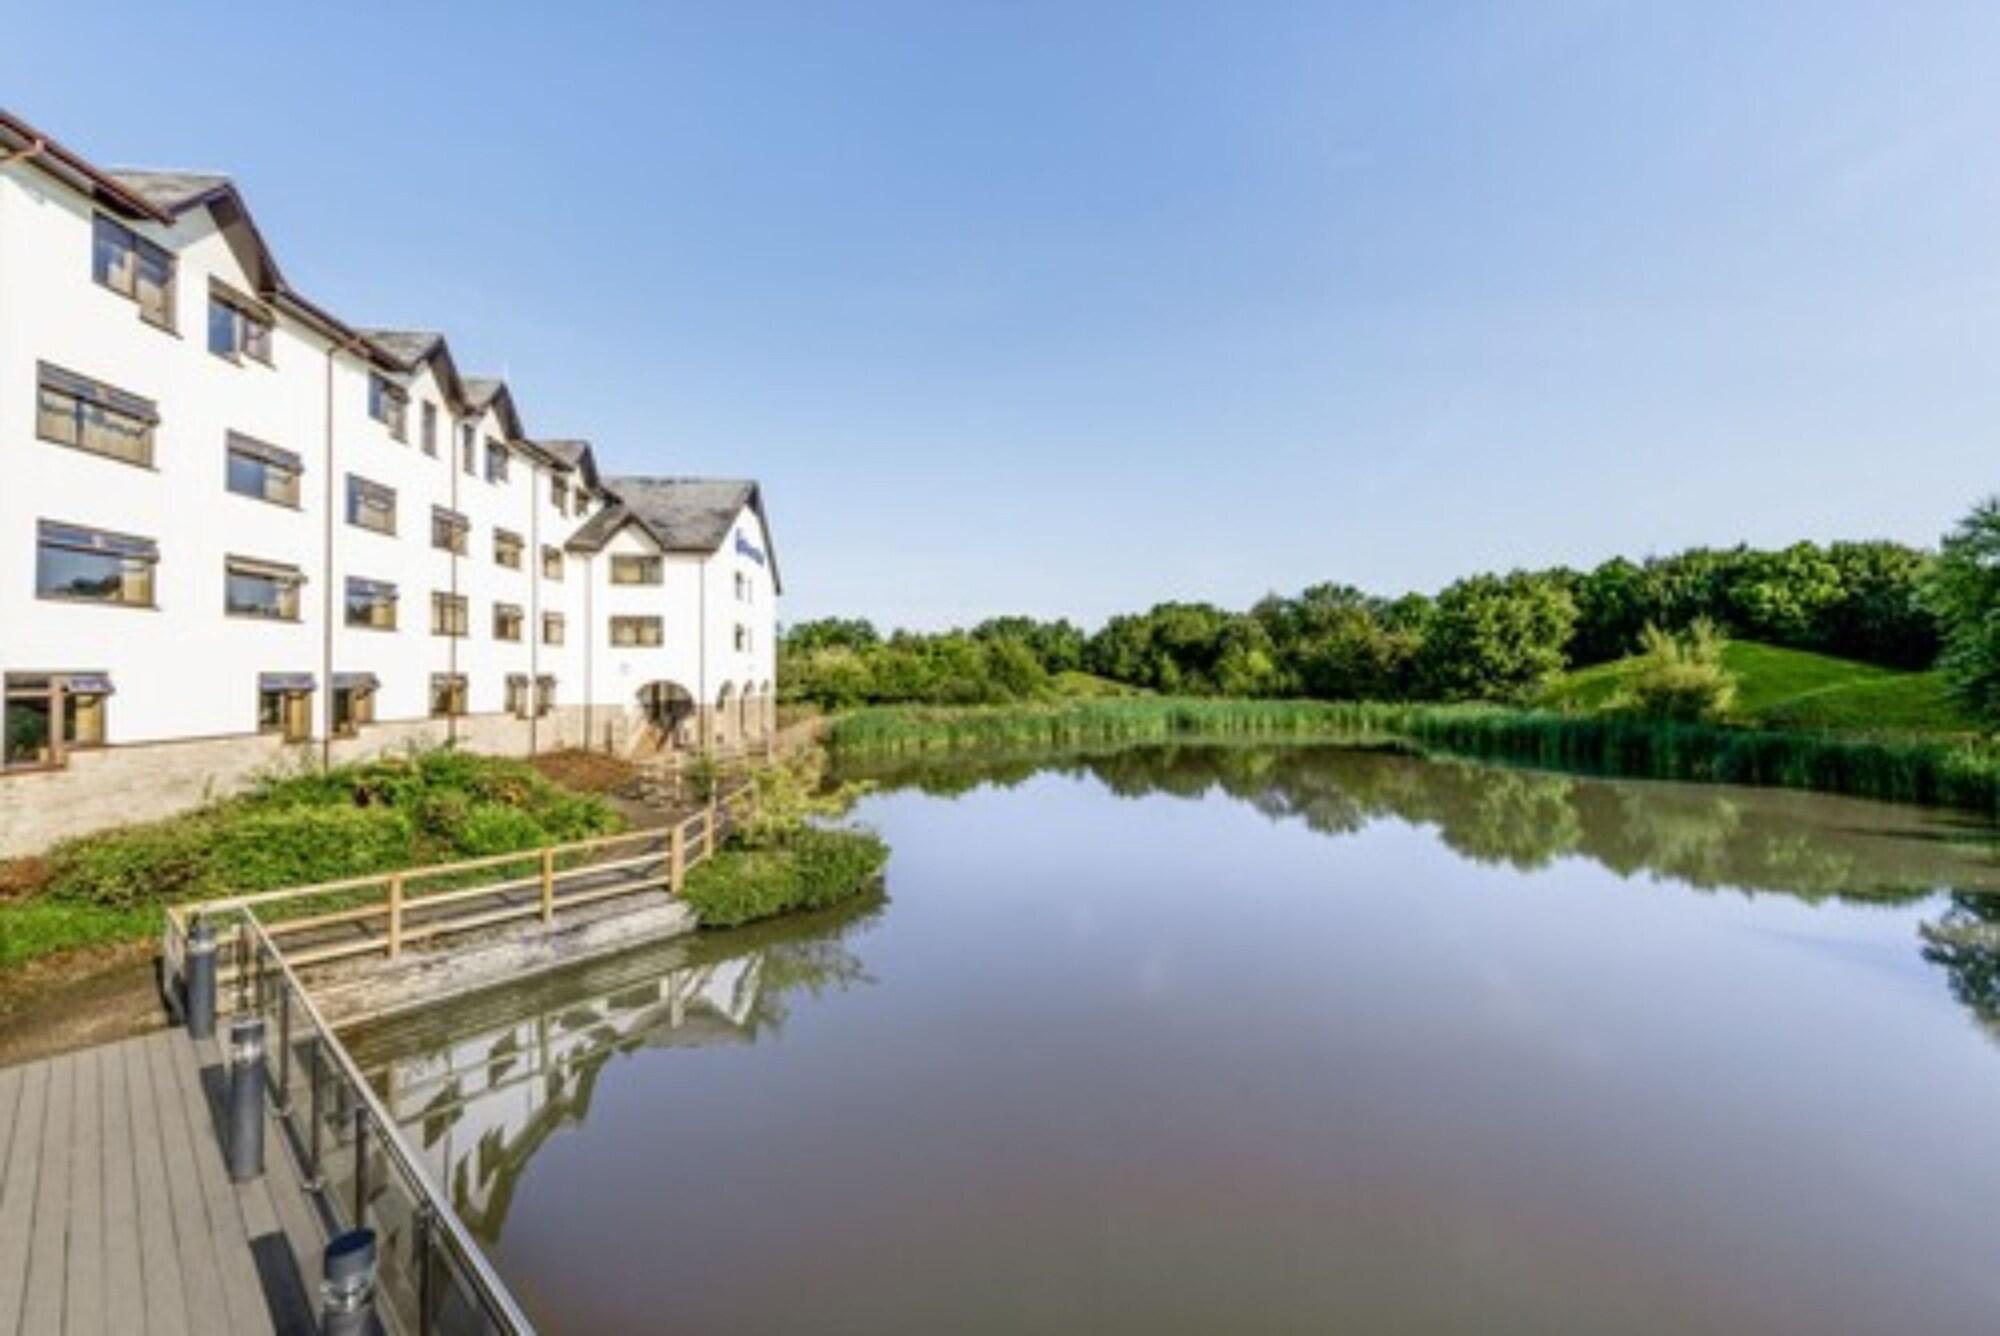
{"x": 1307, "y": 1038}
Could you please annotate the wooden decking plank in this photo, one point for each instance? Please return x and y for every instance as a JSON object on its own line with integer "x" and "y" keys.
{"x": 299, "y": 1222}
{"x": 18, "y": 1185}
{"x": 201, "y": 1272}
{"x": 83, "y": 1293}
{"x": 159, "y": 1246}
{"x": 48, "y": 1247}
{"x": 242, "y": 1293}
{"x": 124, "y": 1279}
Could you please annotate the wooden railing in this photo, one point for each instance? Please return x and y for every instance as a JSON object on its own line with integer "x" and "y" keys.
{"x": 384, "y": 914}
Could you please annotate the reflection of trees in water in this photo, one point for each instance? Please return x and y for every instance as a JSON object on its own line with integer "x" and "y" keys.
{"x": 1964, "y": 941}
{"x": 1806, "y": 846}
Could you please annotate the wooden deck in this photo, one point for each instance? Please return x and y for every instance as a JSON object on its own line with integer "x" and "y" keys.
{"x": 116, "y": 1210}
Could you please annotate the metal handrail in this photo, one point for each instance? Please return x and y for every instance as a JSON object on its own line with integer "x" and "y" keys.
{"x": 493, "y": 1292}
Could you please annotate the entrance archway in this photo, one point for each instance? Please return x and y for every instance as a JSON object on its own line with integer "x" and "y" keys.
{"x": 668, "y": 707}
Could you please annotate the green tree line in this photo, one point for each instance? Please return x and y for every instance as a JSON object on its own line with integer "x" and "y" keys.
{"x": 1488, "y": 636}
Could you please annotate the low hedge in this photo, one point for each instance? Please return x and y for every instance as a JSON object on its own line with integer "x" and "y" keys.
{"x": 395, "y": 812}
{"x": 810, "y": 868}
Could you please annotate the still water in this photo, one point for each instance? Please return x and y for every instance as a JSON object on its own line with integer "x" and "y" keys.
{"x": 1269, "y": 1040}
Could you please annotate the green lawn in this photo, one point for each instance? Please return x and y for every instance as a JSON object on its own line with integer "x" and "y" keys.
{"x": 1795, "y": 689}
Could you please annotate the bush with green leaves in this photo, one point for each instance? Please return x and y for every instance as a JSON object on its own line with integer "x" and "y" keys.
{"x": 1679, "y": 677}
{"x": 1964, "y": 591}
{"x": 393, "y": 812}
{"x": 812, "y": 868}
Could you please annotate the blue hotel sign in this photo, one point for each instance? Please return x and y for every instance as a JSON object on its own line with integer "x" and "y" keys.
{"x": 749, "y": 549}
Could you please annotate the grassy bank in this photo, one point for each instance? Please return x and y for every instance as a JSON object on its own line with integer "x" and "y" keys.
{"x": 400, "y": 811}
{"x": 1936, "y": 771}
{"x": 1795, "y": 690}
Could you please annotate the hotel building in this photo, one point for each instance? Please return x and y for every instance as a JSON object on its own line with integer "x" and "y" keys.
{"x": 240, "y": 535}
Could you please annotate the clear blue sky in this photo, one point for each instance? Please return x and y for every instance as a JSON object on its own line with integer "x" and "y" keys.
{"x": 1067, "y": 308}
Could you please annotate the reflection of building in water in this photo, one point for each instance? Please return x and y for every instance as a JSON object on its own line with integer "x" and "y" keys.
{"x": 483, "y": 1102}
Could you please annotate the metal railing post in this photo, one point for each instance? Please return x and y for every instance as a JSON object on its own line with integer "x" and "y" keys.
{"x": 549, "y": 885}
{"x": 284, "y": 1047}
{"x": 314, "y": 1114}
{"x": 360, "y": 1165}
{"x": 677, "y": 856}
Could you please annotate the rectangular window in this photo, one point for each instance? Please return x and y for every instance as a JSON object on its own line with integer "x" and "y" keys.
{"x": 517, "y": 695}
{"x": 449, "y": 615}
{"x": 635, "y": 631}
{"x": 33, "y": 704}
{"x": 353, "y": 703}
{"x": 430, "y": 428}
{"x": 553, "y": 628}
{"x": 90, "y": 415}
{"x": 131, "y": 266}
{"x": 496, "y": 462}
{"x": 449, "y": 530}
{"x": 558, "y": 494}
{"x": 94, "y": 566}
{"x": 552, "y": 562}
{"x": 284, "y": 705}
{"x": 742, "y": 640}
{"x": 507, "y": 549}
{"x": 468, "y": 450}
{"x": 264, "y": 589}
{"x": 447, "y": 694}
{"x": 370, "y": 505}
{"x": 237, "y": 326}
{"x": 263, "y": 472}
{"x": 506, "y": 621}
{"x": 627, "y": 569}
{"x": 389, "y": 404}
{"x": 545, "y": 696}
{"x": 371, "y": 604}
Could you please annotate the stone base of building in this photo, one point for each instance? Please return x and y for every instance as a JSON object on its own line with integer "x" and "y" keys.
{"x": 121, "y": 785}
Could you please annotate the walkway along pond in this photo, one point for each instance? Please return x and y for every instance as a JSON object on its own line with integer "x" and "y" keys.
{"x": 1199, "y": 1038}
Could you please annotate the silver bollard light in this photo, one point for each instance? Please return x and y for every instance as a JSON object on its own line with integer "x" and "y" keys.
{"x": 201, "y": 980}
{"x": 246, "y": 1098}
{"x": 347, "y": 1294}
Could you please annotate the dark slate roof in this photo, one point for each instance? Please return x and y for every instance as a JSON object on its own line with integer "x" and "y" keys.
{"x": 408, "y": 346}
{"x": 679, "y": 514}
{"x": 170, "y": 190}
{"x": 479, "y": 390}
{"x": 576, "y": 454}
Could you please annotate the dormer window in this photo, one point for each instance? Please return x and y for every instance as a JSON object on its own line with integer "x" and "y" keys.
{"x": 496, "y": 462}
{"x": 389, "y": 404}
{"x": 131, "y": 266}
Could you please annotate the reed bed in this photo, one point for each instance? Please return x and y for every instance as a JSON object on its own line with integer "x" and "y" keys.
{"x": 1940, "y": 773}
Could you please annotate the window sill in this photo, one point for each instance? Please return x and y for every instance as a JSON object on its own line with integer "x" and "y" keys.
{"x": 96, "y": 602}
{"x": 143, "y": 465}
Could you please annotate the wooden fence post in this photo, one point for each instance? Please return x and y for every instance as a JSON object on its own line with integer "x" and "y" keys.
{"x": 677, "y": 856}
{"x": 395, "y": 915}
{"x": 549, "y": 884}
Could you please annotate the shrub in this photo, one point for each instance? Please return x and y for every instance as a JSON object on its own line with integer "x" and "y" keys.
{"x": 812, "y": 869}
{"x": 261, "y": 851}
{"x": 1680, "y": 677}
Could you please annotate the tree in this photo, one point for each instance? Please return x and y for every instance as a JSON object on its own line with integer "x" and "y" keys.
{"x": 1964, "y": 591}
{"x": 831, "y": 633}
{"x": 1496, "y": 637}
